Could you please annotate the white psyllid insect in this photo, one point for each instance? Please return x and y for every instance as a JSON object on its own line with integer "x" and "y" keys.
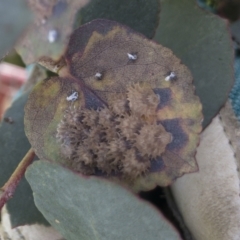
{"x": 98, "y": 75}
{"x": 52, "y": 35}
{"x": 132, "y": 56}
{"x": 171, "y": 76}
{"x": 73, "y": 97}
{"x": 44, "y": 20}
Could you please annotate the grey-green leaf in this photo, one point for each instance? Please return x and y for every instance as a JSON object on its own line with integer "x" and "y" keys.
{"x": 140, "y": 15}
{"x": 14, "y": 17}
{"x": 202, "y": 41}
{"x": 90, "y": 208}
{"x": 13, "y": 147}
{"x": 235, "y": 29}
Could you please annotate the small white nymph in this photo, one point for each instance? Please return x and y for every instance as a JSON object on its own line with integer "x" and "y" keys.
{"x": 52, "y": 35}
{"x": 73, "y": 97}
{"x": 171, "y": 76}
{"x": 98, "y": 75}
{"x": 132, "y": 56}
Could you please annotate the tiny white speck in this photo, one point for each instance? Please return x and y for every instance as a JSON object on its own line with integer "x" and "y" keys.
{"x": 132, "y": 56}
{"x": 52, "y": 35}
{"x": 55, "y": 69}
{"x": 43, "y": 21}
{"x": 98, "y": 75}
{"x": 73, "y": 97}
{"x": 171, "y": 76}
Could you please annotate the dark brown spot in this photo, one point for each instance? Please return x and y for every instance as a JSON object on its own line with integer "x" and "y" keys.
{"x": 157, "y": 165}
{"x": 180, "y": 138}
{"x": 8, "y": 120}
{"x": 91, "y": 100}
{"x": 165, "y": 95}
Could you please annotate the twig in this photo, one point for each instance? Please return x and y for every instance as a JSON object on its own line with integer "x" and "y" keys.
{"x": 9, "y": 187}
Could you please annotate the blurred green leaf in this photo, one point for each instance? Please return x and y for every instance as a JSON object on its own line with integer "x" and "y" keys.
{"x": 140, "y": 15}
{"x": 235, "y": 29}
{"x": 14, "y": 146}
{"x": 228, "y": 9}
{"x": 48, "y": 36}
{"x": 14, "y": 58}
{"x": 91, "y": 208}
{"x": 202, "y": 41}
{"x": 14, "y": 17}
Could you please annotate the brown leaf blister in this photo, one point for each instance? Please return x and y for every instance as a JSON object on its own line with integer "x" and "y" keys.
{"x": 136, "y": 117}
{"x": 142, "y": 100}
{"x": 152, "y": 140}
{"x": 103, "y": 140}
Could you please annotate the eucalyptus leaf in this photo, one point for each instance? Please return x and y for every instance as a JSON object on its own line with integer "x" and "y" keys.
{"x": 14, "y": 146}
{"x": 93, "y": 208}
{"x": 14, "y": 18}
{"x": 47, "y": 38}
{"x": 140, "y": 15}
{"x": 235, "y": 28}
{"x": 103, "y": 47}
{"x": 202, "y": 41}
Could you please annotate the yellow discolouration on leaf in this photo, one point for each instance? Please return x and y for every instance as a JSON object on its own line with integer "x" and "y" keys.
{"x": 52, "y": 90}
{"x": 98, "y": 37}
{"x": 48, "y": 103}
{"x": 151, "y": 181}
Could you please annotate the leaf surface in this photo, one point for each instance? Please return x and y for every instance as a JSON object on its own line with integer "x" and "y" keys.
{"x": 142, "y": 16}
{"x": 13, "y": 20}
{"x": 91, "y": 208}
{"x": 14, "y": 145}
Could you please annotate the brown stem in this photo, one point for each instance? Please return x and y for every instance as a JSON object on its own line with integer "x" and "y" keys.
{"x": 10, "y": 186}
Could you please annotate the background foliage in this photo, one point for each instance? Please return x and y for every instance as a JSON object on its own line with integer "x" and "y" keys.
{"x": 182, "y": 26}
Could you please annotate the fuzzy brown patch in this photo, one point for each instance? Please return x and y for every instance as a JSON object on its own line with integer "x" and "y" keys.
{"x": 120, "y": 139}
